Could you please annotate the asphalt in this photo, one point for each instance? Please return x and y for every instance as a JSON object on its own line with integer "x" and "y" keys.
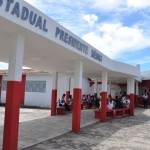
{"x": 39, "y": 131}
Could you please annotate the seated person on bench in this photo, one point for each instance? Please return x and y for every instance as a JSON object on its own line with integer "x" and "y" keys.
{"x": 62, "y": 103}
{"x": 111, "y": 103}
{"x": 70, "y": 100}
{"x": 109, "y": 108}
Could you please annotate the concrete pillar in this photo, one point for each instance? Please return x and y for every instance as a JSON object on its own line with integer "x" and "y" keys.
{"x": 11, "y": 123}
{"x": 77, "y": 95}
{"x": 95, "y": 87}
{"x": 68, "y": 89}
{"x": 109, "y": 88}
{"x": 137, "y": 93}
{"x": 1, "y": 77}
{"x": 132, "y": 85}
{"x": 54, "y": 93}
{"x": 23, "y": 86}
{"x": 128, "y": 86}
{"x": 104, "y": 96}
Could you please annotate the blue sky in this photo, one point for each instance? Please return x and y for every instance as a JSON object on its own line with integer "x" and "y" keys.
{"x": 118, "y": 28}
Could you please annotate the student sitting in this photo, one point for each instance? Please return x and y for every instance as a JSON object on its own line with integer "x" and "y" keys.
{"x": 70, "y": 100}
{"x": 128, "y": 102}
{"x": 62, "y": 103}
{"x": 111, "y": 103}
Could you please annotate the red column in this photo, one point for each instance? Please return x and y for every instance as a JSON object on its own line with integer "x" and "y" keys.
{"x": 136, "y": 100}
{"x": 0, "y": 86}
{"x": 103, "y": 106}
{"x": 53, "y": 102}
{"x": 10, "y": 139}
{"x": 67, "y": 96}
{"x": 132, "y": 104}
{"x": 76, "y": 114}
{"x": 23, "y": 85}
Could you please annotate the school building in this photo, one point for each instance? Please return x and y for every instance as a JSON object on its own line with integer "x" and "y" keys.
{"x": 30, "y": 38}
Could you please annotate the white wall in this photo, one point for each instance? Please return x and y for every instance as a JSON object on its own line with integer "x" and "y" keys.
{"x": 113, "y": 87}
{"x": 44, "y": 99}
{"x": 85, "y": 86}
{"x": 36, "y": 98}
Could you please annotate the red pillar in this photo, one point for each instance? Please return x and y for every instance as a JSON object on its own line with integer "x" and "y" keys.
{"x": 23, "y": 85}
{"x": 0, "y": 86}
{"x": 132, "y": 104}
{"x": 10, "y": 139}
{"x": 67, "y": 96}
{"x": 103, "y": 106}
{"x": 76, "y": 114}
{"x": 136, "y": 100}
{"x": 53, "y": 102}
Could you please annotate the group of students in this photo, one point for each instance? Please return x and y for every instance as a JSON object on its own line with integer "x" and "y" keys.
{"x": 91, "y": 100}
{"x": 119, "y": 102}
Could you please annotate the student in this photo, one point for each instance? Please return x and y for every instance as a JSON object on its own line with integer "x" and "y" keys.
{"x": 70, "y": 100}
{"x": 111, "y": 103}
{"x": 128, "y": 101}
{"x": 62, "y": 103}
{"x": 145, "y": 99}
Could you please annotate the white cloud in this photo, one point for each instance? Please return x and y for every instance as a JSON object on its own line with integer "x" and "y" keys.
{"x": 116, "y": 5}
{"x": 138, "y": 4}
{"x": 91, "y": 19}
{"x": 107, "y": 5}
{"x": 115, "y": 39}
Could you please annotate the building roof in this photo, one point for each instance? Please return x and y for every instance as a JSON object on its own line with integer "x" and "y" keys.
{"x": 24, "y": 71}
{"x": 145, "y": 75}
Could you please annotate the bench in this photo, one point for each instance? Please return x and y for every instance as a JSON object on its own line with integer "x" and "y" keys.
{"x": 127, "y": 111}
{"x": 109, "y": 113}
{"x": 113, "y": 113}
{"x": 71, "y": 106}
{"x": 60, "y": 110}
{"x": 122, "y": 112}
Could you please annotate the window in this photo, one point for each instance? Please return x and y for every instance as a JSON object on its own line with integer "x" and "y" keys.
{"x": 36, "y": 86}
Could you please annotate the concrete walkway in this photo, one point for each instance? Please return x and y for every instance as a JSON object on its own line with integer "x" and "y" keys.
{"x": 129, "y": 133}
{"x": 37, "y": 125}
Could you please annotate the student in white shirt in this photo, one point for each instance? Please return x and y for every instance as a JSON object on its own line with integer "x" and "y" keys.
{"x": 145, "y": 99}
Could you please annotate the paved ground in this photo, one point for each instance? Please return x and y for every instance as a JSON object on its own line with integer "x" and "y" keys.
{"x": 37, "y": 125}
{"x": 130, "y": 133}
